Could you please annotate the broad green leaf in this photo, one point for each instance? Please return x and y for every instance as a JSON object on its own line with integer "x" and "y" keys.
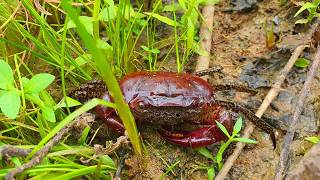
{"x": 211, "y": 173}
{"x": 163, "y": 19}
{"x": 305, "y": 6}
{"x": 245, "y": 140}
{"x": 302, "y": 21}
{"x": 71, "y": 103}
{"x": 48, "y": 113}
{"x": 108, "y": 13}
{"x": 302, "y": 63}
{"x": 106, "y": 160}
{"x": 86, "y": 21}
{"x": 10, "y": 103}
{"x": 223, "y": 129}
{"x": 104, "y": 46}
{"x": 205, "y": 152}
{"x": 237, "y": 127}
{"x": 6, "y": 75}
{"x": 313, "y": 139}
{"x": 38, "y": 83}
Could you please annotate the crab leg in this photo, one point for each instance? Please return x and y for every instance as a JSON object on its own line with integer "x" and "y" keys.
{"x": 202, "y": 136}
{"x": 114, "y": 124}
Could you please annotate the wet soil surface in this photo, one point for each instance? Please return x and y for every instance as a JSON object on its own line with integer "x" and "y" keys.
{"x": 239, "y": 46}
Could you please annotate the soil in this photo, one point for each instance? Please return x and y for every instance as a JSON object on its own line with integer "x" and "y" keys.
{"x": 239, "y": 46}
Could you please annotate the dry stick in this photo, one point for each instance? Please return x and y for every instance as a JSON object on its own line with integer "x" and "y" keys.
{"x": 265, "y": 104}
{"x": 206, "y": 37}
{"x": 284, "y": 155}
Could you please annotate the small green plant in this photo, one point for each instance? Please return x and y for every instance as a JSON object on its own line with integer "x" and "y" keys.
{"x": 30, "y": 90}
{"x": 302, "y": 63}
{"x": 234, "y": 137}
{"x": 311, "y": 7}
{"x": 313, "y": 139}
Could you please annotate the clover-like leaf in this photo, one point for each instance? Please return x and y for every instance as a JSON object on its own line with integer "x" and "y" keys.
{"x": 10, "y": 103}
{"x": 6, "y": 75}
{"x": 38, "y": 83}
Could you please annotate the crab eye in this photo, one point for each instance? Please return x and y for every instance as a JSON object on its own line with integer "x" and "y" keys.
{"x": 141, "y": 105}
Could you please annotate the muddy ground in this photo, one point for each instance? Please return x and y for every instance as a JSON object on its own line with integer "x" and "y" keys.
{"x": 239, "y": 46}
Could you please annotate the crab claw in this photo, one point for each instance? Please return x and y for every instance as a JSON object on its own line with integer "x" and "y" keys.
{"x": 199, "y": 137}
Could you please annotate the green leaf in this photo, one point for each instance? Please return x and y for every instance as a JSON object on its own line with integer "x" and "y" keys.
{"x": 211, "y": 173}
{"x": 207, "y": 2}
{"x": 48, "y": 113}
{"x": 199, "y": 50}
{"x": 104, "y": 46}
{"x": 6, "y": 75}
{"x": 71, "y": 103}
{"x": 86, "y": 21}
{"x": 205, "y": 152}
{"x": 108, "y": 13}
{"x": 302, "y": 21}
{"x": 302, "y": 63}
{"x": 84, "y": 135}
{"x": 313, "y": 139}
{"x": 38, "y": 83}
{"x": 305, "y": 6}
{"x": 10, "y": 103}
{"x": 246, "y": 140}
{"x": 237, "y": 127}
{"x": 81, "y": 60}
{"x": 223, "y": 129}
{"x": 163, "y": 19}
{"x": 106, "y": 160}
{"x": 172, "y": 7}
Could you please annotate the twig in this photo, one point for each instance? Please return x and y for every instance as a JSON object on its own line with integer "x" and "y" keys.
{"x": 100, "y": 150}
{"x": 7, "y": 151}
{"x": 263, "y": 107}
{"x": 284, "y": 155}
{"x": 266, "y": 102}
{"x": 37, "y": 158}
{"x": 206, "y": 37}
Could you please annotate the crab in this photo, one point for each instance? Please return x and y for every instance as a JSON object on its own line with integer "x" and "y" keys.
{"x": 167, "y": 99}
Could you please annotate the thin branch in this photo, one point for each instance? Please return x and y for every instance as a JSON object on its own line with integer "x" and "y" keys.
{"x": 206, "y": 38}
{"x": 284, "y": 155}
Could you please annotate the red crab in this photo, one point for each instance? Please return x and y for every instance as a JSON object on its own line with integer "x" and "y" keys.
{"x": 167, "y": 99}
